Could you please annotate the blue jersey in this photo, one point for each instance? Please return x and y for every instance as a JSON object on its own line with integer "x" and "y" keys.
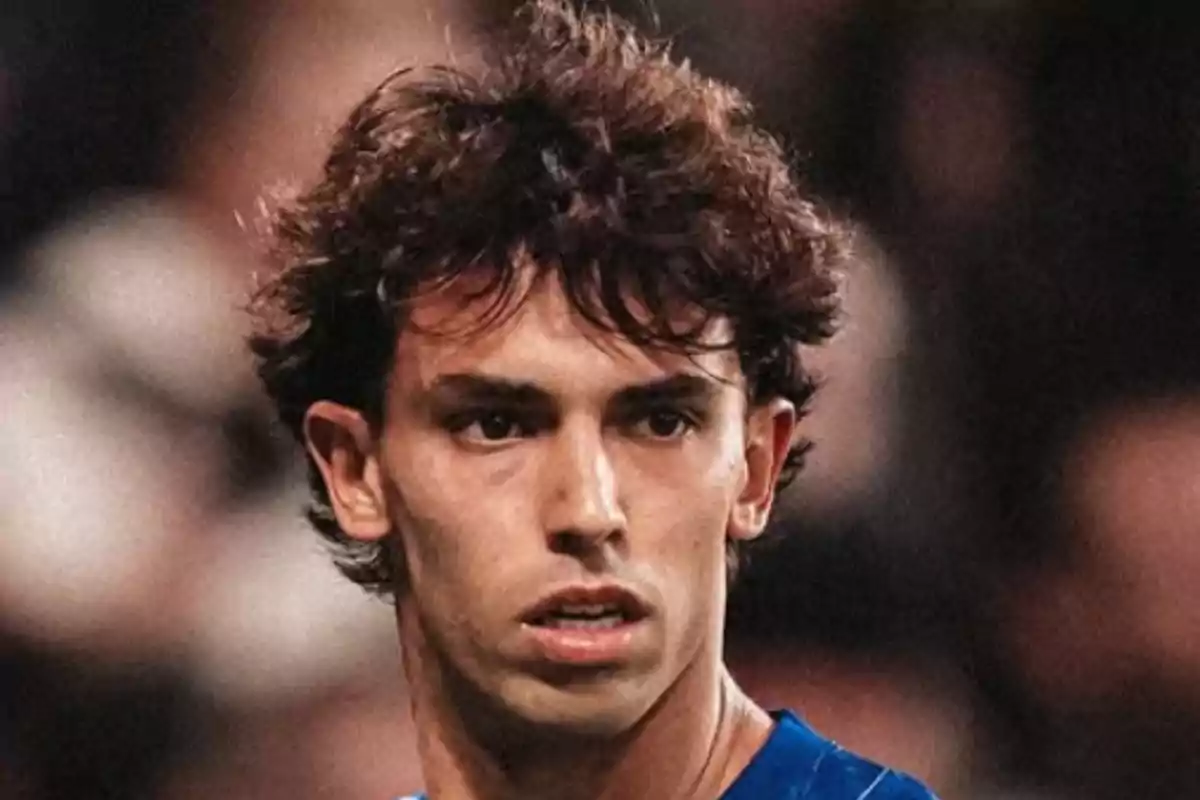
{"x": 797, "y": 763}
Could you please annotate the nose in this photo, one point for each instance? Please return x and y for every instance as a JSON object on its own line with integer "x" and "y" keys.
{"x": 583, "y": 506}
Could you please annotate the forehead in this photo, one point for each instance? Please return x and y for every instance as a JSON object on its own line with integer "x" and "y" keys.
{"x": 544, "y": 341}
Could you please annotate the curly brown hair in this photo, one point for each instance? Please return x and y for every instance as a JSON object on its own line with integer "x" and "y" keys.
{"x": 583, "y": 147}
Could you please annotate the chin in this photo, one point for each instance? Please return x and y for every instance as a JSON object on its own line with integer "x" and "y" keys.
{"x": 600, "y": 706}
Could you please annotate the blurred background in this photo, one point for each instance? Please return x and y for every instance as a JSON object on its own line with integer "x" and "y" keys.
{"x": 986, "y": 577}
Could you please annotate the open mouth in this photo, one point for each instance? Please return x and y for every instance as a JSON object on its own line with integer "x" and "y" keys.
{"x": 578, "y": 616}
{"x": 587, "y": 608}
{"x": 587, "y": 626}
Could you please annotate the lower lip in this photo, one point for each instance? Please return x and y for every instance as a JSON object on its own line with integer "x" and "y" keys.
{"x": 585, "y": 647}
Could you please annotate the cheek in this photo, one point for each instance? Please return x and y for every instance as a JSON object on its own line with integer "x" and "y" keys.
{"x": 456, "y": 519}
{"x": 726, "y": 459}
{"x": 692, "y": 570}
{"x": 681, "y": 507}
{"x": 692, "y": 489}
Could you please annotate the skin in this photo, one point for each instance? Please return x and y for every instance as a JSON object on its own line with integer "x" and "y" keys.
{"x": 591, "y": 471}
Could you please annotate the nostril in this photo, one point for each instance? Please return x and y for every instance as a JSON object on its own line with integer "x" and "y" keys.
{"x": 572, "y": 543}
{"x": 577, "y": 541}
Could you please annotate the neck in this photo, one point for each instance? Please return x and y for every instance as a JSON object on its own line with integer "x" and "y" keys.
{"x": 704, "y": 727}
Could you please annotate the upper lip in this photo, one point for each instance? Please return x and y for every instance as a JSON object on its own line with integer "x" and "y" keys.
{"x": 628, "y": 602}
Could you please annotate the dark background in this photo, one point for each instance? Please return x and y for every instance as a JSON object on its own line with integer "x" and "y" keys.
{"x": 987, "y": 578}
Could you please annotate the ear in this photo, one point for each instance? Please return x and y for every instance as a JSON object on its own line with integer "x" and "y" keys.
{"x": 341, "y": 444}
{"x": 769, "y": 431}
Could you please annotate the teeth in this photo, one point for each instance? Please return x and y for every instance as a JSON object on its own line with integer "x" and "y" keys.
{"x": 607, "y": 621}
{"x": 594, "y": 610}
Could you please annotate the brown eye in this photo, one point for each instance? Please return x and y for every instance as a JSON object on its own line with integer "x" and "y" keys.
{"x": 665, "y": 424}
{"x": 496, "y": 426}
{"x": 487, "y": 427}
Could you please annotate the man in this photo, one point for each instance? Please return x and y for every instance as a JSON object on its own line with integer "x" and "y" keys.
{"x": 538, "y": 330}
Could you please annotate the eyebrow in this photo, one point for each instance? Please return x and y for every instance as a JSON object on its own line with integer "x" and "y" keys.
{"x": 472, "y": 387}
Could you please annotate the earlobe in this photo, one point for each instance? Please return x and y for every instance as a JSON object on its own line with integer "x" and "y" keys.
{"x": 340, "y": 443}
{"x": 769, "y": 432}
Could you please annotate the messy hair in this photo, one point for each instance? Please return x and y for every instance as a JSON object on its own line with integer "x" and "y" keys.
{"x": 581, "y": 148}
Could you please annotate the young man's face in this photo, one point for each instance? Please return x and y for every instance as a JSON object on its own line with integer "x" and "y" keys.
{"x": 562, "y": 502}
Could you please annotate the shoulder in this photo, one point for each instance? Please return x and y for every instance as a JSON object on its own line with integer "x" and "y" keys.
{"x": 824, "y": 770}
{"x": 846, "y": 776}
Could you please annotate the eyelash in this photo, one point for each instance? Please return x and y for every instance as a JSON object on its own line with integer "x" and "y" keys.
{"x": 689, "y": 422}
{"x": 458, "y": 423}
{"x": 527, "y": 426}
